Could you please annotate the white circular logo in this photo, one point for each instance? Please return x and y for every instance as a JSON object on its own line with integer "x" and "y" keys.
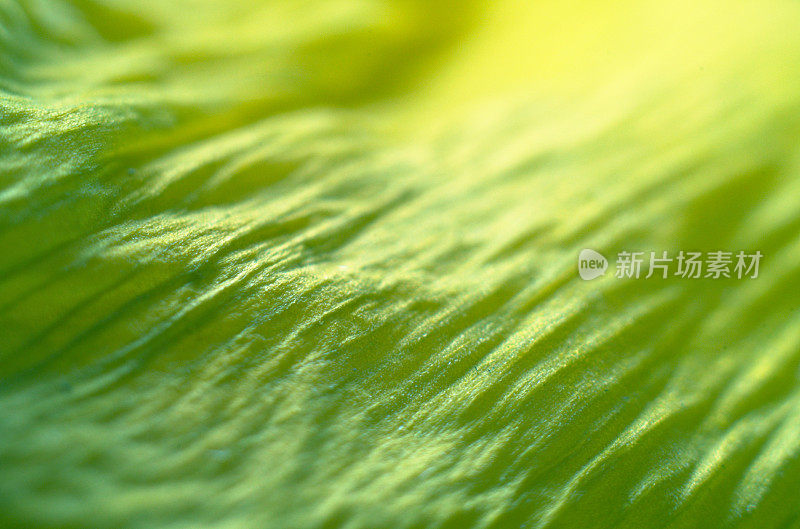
{"x": 591, "y": 264}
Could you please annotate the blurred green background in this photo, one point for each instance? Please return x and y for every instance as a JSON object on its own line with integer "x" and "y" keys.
{"x": 313, "y": 264}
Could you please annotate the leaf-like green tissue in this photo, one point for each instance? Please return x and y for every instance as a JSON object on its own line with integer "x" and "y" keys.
{"x": 302, "y": 264}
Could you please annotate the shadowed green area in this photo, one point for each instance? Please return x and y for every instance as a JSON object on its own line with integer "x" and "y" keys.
{"x": 312, "y": 264}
